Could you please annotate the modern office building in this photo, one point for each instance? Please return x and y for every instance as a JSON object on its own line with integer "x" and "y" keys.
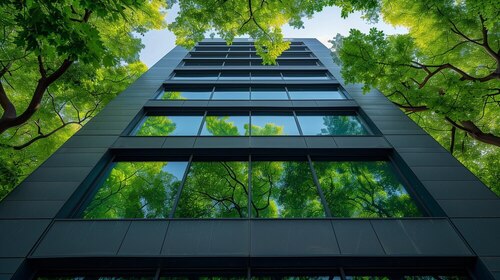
{"x": 212, "y": 165}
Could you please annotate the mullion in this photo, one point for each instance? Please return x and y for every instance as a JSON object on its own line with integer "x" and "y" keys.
{"x": 181, "y": 187}
{"x": 297, "y": 123}
{"x": 318, "y": 186}
{"x": 212, "y": 93}
{"x": 202, "y": 123}
{"x": 249, "y": 186}
{"x": 287, "y": 93}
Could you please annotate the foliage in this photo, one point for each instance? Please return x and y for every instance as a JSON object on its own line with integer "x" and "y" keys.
{"x": 259, "y": 19}
{"x": 445, "y": 73}
{"x": 59, "y": 65}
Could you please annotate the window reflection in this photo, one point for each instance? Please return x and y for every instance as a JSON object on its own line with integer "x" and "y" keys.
{"x": 363, "y": 189}
{"x": 137, "y": 190}
{"x": 170, "y": 126}
{"x": 269, "y": 94}
{"x": 296, "y": 94}
{"x": 215, "y": 190}
{"x": 331, "y": 125}
{"x": 226, "y": 126}
{"x": 273, "y": 125}
{"x": 195, "y": 76}
{"x": 186, "y": 94}
{"x": 234, "y": 76}
{"x": 258, "y": 76}
{"x": 305, "y": 76}
{"x": 284, "y": 190}
{"x": 231, "y": 94}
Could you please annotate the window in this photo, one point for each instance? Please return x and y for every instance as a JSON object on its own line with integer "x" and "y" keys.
{"x": 203, "y": 63}
{"x": 169, "y": 126}
{"x": 263, "y": 123}
{"x": 262, "y": 93}
{"x": 137, "y": 190}
{"x": 364, "y": 189}
{"x": 284, "y": 190}
{"x": 297, "y": 62}
{"x": 330, "y": 124}
{"x": 190, "y": 94}
{"x": 238, "y": 55}
{"x": 311, "y": 93}
{"x": 260, "y": 76}
{"x": 236, "y": 63}
{"x": 188, "y": 76}
{"x": 234, "y": 75}
{"x": 280, "y": 188}
{"x": 221, "y": 93}
{"x": 215, "y": 190}
{"x": 273, "y": 124}
{"x": 208, "y": 54}
{"x": 305, "y": 76}
{"x": 217, "y": 125}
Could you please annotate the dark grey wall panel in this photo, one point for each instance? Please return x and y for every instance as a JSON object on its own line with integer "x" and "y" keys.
{"x": 364, "y": 142}
{"x": 270, "y": 238}
{"x": 320, "y": 142}
{"x": 278, "y": 142}
{"x": 17, "y": 237}
{"x": 143, "y": 142}
{"x": 481, "y": 234}
{"x": 10, "y": 265}
{"x": 44, "y": 191}
{"x": 357, "y": 237}
{"x": 215, "y": 238}
{"x": 83, "y": 238}
{"x": 222, "y": 142}
{"x": 471, "y": 208}
{"x": 59, "y": 174}
{"x": 26, "y": 209}
{"x": 144, "y": 238}
{"x": 459, "y": 190}
{"x": 420, "y": 237}
{"x": 73, "y": 160}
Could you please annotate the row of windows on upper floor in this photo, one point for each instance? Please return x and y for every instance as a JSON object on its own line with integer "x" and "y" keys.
{"x": 249, "y": 43}
{"x": 246, "y": 55}
{"x": 249, "y": 188}
{"x": 274, "y": 274}
{"x": 248, "y": 63}
{"x": 254, "y": 123}
{"x": 253, "y": 76}
{"x": 241, "y": 48}
{"x": 252, "y": 93}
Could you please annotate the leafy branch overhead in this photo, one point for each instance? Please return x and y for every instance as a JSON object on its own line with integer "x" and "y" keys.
{"x": 259, "y": 19}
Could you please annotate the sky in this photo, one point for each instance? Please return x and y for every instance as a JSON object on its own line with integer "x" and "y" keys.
{"x": 322, "y": 26}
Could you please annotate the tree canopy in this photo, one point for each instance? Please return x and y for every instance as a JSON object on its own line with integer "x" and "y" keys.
{"x": 445, "y": 73}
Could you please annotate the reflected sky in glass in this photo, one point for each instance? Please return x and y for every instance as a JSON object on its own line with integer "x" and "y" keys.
{"x": 170, "y": 126}
{"x": 195, "y": 76}
{"x": 284, "y": 190}
{"x": 364, "y": 189}
{"x": 230, "y": 76}
{"x": 331, "y": 125}
{"x": 137, "y": 190}
{"x": 267, "y": 125}
{"x": 315, "y": 94}
{"x": 225, "y": 126}
{"x": 215, "y": 190}
{"x": 183, "y": 95}
{"x": 260, "y": 76}
{"x": 262, "y": 94}
{"x": 237, "y": 94}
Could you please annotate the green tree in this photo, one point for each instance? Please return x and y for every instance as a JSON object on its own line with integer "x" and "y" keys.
{"x": 259, "y": 19}
{"x": 445, "y": 73}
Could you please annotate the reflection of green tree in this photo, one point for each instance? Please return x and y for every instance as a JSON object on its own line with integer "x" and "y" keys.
{"x": 215, "y": 190}
{"x": 135, "y": 190}
{"x": 268, "y": 129}
{"x": 364, "y": 189}
{"x": 156, "y": 126}
{"x": 284, "y": 189}
{"x": 342, "y": 125}
{"x": 223, "y": 126}
{"x": 171, "y": 95}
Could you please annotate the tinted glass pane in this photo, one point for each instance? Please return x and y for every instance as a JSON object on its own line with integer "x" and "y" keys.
{"x": 297, "y": 63}
{"x": 94, "y": 278}
{"x": 232, "y": 94}
{"x": 226, "y": 126}
{"x": 364, "y": 189}
{"x": 215, "y": 190}
{"x": 183, "y": 94}
{"x": 268, "y": 94}
{"x": 266, "y": 76}
{"x": 315, "y": 94}
{"x": 331, "y": 125}
{"x": 304, "y": 76}
{"x": 203, "y": 63}
{"x": 284, "y": 190}
{"x": 235, "y": 76}
{"x": 237, "y": 55}
{"x": 195, "y": 76}
{"x": 367, "y": 278}
{"x": 230, "y": 63}
{"x": 273, "y": 125}
{"x": 170, "y": 126}
{"x": 137, "y": 190}
{"x": 301, "y": 277}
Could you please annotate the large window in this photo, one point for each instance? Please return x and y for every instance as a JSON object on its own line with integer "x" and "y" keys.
{"x": 255, "y": 75}
{"x": 258, "y": 92}
{"x": 254, "y": 123}
{"x": 257, "y": 188}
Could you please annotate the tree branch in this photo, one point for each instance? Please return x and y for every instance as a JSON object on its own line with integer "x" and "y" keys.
{"x": 475, "y": 132}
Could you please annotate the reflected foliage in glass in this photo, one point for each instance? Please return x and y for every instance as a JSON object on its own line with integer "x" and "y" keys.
{"x": 170, "y": 125}
{"x": 215, "y": 190}
{"x": 364, "y": 189}
{"x": 314, "y": 94}
{"x": 186, "y": 95}
{"x": 273, "y": 126}
{"x": 137, "y": 190}
{"x": 331, "y": 125}
{"x": 284, "y": 190}
{"x": 226, "y": 126}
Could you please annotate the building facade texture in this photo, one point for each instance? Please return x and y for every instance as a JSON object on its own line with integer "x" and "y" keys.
{"x": 213, "y": 165}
